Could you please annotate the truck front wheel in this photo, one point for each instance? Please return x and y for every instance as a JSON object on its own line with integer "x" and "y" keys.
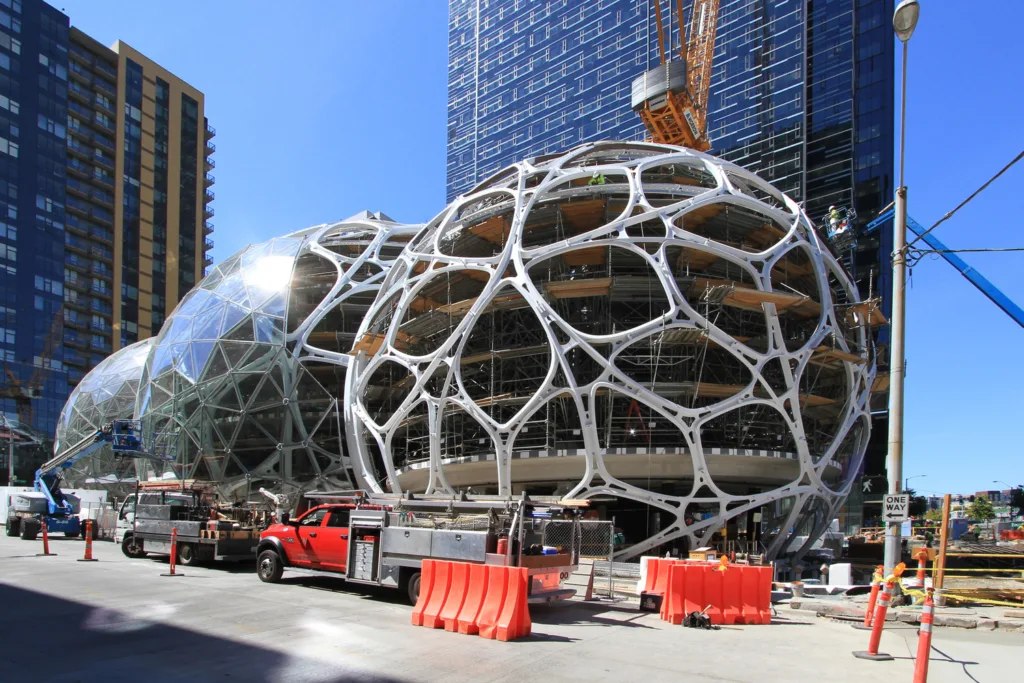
{"x": 130, "y": 548}
{"x": 13, "y": 527}
{"x": 412, "y": 587}
{"x": 269, "y": 566}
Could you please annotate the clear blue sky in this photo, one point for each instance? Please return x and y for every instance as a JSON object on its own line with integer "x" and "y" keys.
{"x": 326, "y": 108}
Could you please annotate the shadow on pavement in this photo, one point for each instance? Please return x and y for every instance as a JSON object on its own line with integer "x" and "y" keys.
{"x": 570, "y": 613}
{"x": 50, "y": 638}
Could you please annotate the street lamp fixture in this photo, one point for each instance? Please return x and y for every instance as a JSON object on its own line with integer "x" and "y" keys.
{"x": 904, "y": 19}
{"x": 906, "y": 484}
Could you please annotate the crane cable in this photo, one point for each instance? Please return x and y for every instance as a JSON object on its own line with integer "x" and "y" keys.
{"x": 962, "y": 204}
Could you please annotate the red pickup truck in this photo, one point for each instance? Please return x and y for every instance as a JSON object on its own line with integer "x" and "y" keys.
{"x": 383, "y": 543}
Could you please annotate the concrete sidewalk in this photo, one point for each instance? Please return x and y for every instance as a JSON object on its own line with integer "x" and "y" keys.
{"x": 119, "y": 620}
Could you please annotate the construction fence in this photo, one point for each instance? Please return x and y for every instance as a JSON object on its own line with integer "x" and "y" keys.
{"x": 592, "y": 541}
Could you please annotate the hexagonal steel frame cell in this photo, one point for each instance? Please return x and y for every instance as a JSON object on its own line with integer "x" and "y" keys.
{"x": 243, "y": 382}
{"x": 107, "y": 392}
{"x": 579, "y": 213}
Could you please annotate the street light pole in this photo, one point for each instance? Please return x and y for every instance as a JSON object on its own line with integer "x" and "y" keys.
{"x": 904, "y": 21}
{"x": 906, "y": 482}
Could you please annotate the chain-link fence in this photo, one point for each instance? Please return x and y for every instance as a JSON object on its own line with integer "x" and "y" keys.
{"x": 591, "y": 543}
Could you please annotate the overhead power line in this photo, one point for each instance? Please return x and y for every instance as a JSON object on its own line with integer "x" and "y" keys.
{"x": 964, "y": 203}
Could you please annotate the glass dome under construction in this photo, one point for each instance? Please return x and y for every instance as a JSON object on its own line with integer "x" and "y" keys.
{"x": 106, "y": 393}
{"x": 243, "y": 382}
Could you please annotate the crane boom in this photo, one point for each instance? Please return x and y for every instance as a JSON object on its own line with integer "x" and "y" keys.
{"x": 994, "y": 294}
{"x": 672, "y": 98}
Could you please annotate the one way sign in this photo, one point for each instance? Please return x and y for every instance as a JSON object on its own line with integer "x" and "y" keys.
{"x": 895, "y": 507}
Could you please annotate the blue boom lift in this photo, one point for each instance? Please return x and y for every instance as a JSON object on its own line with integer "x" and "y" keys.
{"x": 26, "y": 511}
{"x": 973, "y": 276}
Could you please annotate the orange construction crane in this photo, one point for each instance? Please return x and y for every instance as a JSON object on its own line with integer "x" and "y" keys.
{"x": 672, "y": 99}
{"x": 25, "y": 392}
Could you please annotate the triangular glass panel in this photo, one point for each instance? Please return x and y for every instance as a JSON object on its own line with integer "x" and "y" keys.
{"x": 179, "y": 330}
{"x": 235, "y": 352}
{"x": 233, "y": 315}
{"x": 268, "y": 395}
{"x": 232, "y": 288}
{"x": 201, "y": 351}
{"x": 162, "y": 360}
{"x": 241, "y": 332}
{"x": 269, "y": 329}
{"x": 216, "y": 365}
{"x": 262, "y": 357}
{"x": 207, "y": 324}
{"x": 247, "y": 383}
{"x": 275, "y": 305}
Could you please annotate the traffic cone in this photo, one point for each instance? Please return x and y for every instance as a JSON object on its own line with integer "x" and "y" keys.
{"x": 878, "y": 624}
{"x": 922, "y": 564}
{"x": 174, "y": 553}
{"x": 924, "y": 638}
{"x": 88, "y": 543}
{"x": 46, "y": 540}
{"x": 869, "y": 613}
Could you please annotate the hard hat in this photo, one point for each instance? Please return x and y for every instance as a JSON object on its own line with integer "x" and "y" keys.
{"x": 832, "y": 208}
{"x": 597, "y": 174}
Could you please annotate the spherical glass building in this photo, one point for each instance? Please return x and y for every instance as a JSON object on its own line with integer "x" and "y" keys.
{"x": 625, "y": 321}
{"x": 106, "y": 393}
{"x": 243, "y": 382}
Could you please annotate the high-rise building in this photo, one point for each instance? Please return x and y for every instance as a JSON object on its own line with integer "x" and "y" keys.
{"x": 801, "y": 93}
{"x": 105, "y": 195}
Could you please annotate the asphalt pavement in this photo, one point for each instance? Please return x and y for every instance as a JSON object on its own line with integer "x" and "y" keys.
{"x": 118, "y": 619}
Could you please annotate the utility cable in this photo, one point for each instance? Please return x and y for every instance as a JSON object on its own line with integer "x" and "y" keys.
{"x": 962, "y": 204}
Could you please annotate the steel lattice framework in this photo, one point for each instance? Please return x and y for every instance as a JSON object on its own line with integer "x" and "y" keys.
{"x": 624, "y": 319}
{"x": 243, "y": 381}
{"x": 106, "y": 393}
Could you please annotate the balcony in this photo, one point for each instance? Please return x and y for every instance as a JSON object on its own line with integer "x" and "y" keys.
{"x": 103, "y": 159}
{"x": 207, "y": 260}
{"x": 77, "y": 205}
{"x": 208, "y": 179}
{"x": 79, "y": 72}
{"x": 103, "y": 103}
{"x": 102, "y": 215}
{"x": 80, "y": 94}
{"x": 210, "y": 147}
{"x": 79, "y": 109}
{"x": 208, "y": 211}
{"x": 210, "y": 163}
{"x": 96, "y": 232}
{"x": 207, "y": 228}
{"x": 210, "y": 131}
{"x": 103, "y": 141}
{"x": 209, "y": 195}
{"x": 78, "y": 149}
{"x": 77, "y": 188}
{"x": 208, "y": 242}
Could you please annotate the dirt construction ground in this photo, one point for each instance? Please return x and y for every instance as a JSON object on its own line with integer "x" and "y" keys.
{"x": 119, "y": 620}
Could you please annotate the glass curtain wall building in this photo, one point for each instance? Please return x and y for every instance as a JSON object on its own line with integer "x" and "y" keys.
{"x": 801, "y": 94}
{"x": 105, "y": 191}
{"x": 33, "y": 114}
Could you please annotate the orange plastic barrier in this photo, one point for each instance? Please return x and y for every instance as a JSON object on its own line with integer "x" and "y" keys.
{"x": 657, "y": 575}
{"x": 435, "y": 580}
{"x": 738, "y": 595}
{"x": 474, "y": 602}
{"x": 489, "y": 600}
{"x": 456, "y": 595}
